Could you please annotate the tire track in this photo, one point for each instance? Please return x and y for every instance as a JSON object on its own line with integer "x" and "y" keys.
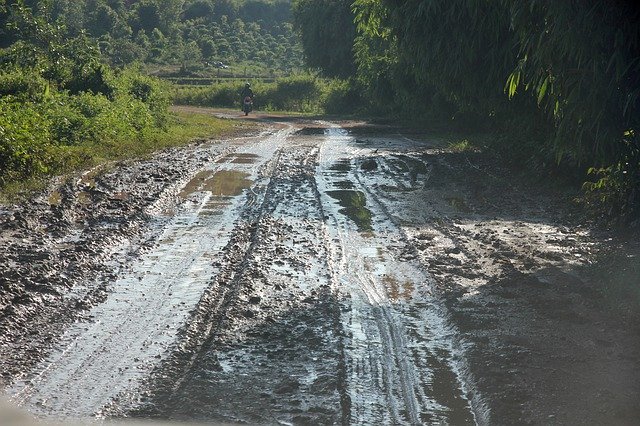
{"x": 132, "y": 330}
{"x": 380, "y": 351}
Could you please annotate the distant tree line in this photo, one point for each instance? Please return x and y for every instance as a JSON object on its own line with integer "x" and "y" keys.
{"x": 558, "y": 81}
{"x": 189, "y": 33}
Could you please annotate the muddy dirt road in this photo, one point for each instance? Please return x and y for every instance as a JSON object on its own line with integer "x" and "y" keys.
{"x": 315, "y": 273}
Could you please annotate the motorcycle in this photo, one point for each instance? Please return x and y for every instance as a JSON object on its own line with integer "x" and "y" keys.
{"x": 247, "y": 105}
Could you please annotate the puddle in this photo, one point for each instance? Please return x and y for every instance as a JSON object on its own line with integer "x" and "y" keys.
{"x": 222, "y": 183}
{"x": 239, "y": 158}
{"x": 354, "y": 207}
{"x": 245, "y": 158}
{"x": 344, "y": 184}
{"x": 311, "y": 131}
{"x": 342, "y": 166}
{"x": 444, "y": 388}
{"x": 335, "y": 131}
{"x": 375, "y": 130}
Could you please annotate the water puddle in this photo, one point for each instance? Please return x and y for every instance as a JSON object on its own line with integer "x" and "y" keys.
{"x": 222, "y": 183}
{"x": 245, "y": 158}
{"x": 239, "y": 158}
{"x": 335, "y": 131}
{"x": 353, "y": 205}
{"x": 342, "y": 166}
{"x": 311, "y": 131}
{"x": 344, "y": 184}
{"x": 445, "y": 390}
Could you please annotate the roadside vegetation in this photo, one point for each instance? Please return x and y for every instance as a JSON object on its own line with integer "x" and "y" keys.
{"x": 63, "y": 109}
{"x": 556, "y": 83}
{"x": 305, "y": 93}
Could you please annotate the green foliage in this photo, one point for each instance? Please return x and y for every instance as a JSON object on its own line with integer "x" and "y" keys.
{"x": 613, "y": 192}
{"x": 557, "y": 81}
{"x": 342, "y": 97}
{"x": 24, "y": 140}
{"x": 192, "y": 34}
{"x": 327, "y": 29}
{"x": 23, "y": 84}
{"x": 58, "y": 100}
{"x": 299, "y": 93}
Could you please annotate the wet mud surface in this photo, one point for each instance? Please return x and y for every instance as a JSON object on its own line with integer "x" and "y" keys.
{"x": 316, "y": 273}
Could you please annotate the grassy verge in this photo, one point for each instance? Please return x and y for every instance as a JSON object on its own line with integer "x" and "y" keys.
{"x": 182, "y": 128}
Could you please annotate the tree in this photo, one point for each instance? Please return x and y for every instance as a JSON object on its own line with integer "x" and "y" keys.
{"x": 147, "y": 16}
{"x": 103, "y": 21}
{"x": 199, "y": 9}
{"x": 328, "y": 31}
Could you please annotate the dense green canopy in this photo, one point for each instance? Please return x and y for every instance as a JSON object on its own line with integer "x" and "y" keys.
{"x": 561, "y": 79}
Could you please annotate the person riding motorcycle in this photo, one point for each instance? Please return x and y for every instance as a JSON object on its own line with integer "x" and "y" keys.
{"x": 246, "y": 92}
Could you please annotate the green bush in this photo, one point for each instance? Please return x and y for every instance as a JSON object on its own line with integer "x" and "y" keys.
{"x": 341, "y": 97}
{"x": 151, "y": 91}
{"x": 23, "y": 84}
{"x": 297, "y": 93}
{"x": 91, "y": 77}
{"x": 24, "y": 140}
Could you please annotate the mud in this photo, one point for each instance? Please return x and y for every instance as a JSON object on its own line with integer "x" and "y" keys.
{"x": 316, "y": 273}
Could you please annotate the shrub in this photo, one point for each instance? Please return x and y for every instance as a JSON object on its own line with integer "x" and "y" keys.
{"x": 151, "y": 91}
{"x": 23, "y": 83}
{"x": 24, "y": 140}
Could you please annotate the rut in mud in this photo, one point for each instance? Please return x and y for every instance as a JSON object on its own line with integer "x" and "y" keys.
{"x": 312, "y": 274}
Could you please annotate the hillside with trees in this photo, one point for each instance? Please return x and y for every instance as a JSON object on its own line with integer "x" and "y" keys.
{"x": 192, "y": 37}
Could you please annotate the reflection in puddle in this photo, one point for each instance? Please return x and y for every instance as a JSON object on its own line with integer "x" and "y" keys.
{"x": 225, "y": 182}
{"x": 344, "y": 184}
{"x": 342, "y": 166}
{"x": 354, "y": 207}
{"x": 239, "y": 158}
{"x": 445, "y": 389}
